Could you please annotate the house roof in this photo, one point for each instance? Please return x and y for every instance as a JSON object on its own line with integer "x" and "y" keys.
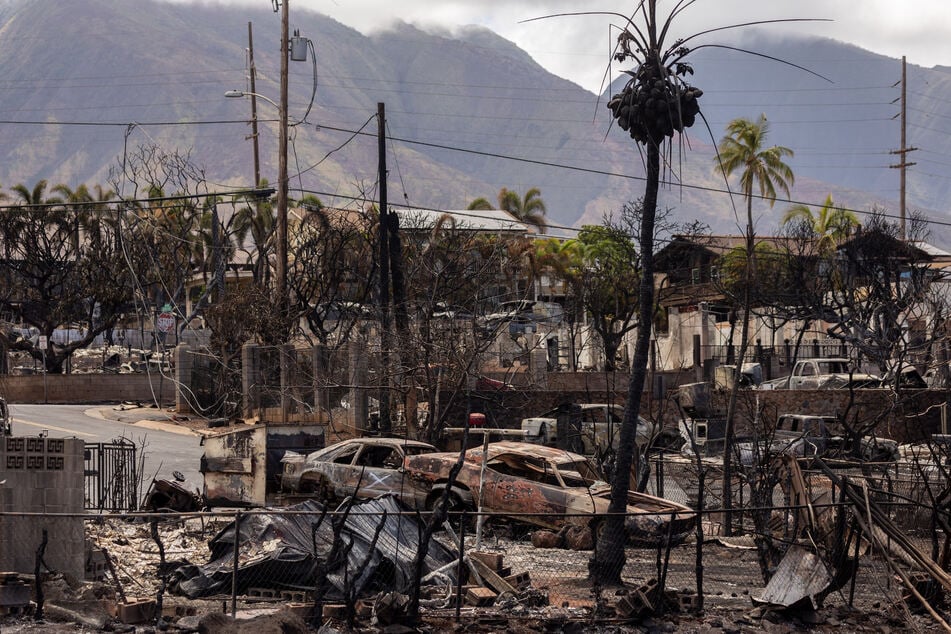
{"x": 474, "y": 219}
{"x": 673, "y": 252}
{"x": 940, "y": 259}
{"x": 492, "y": 220}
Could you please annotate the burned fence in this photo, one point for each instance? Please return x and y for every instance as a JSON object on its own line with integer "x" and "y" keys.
{"x": 111, "y": 477}
{"x": 358, "y": 563}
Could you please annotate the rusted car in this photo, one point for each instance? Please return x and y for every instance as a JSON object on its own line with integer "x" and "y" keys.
{"x": 546, "y": 487}
{"x": 360, "y": 467}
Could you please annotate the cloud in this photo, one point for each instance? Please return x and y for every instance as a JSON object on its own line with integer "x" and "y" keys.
{"x": 578, "y": 47}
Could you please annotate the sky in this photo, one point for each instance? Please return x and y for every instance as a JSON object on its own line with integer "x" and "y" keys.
{"x": 577, "y": 47}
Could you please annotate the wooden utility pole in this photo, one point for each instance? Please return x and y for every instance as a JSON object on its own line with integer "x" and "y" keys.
{"x": 903, "y": 150}
{"x": 254, "y": 109}
{"x": 281, "y": 268}
{"x": 386, "y": 336}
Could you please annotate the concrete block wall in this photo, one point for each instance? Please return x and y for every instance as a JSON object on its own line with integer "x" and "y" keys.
{"x": 41, "y": 476}
{"x": 183, "y": 375}
{"x": 88, "y": 388}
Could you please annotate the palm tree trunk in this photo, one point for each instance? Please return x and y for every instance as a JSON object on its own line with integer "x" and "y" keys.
{"x": 608, "y": 561}
{"x": 729, "y": 428}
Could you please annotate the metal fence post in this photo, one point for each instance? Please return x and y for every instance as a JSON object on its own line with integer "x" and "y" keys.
{"x": 234, "y": 567}
{"x": 701, "y": 477}
{"x": 462, "y": 564}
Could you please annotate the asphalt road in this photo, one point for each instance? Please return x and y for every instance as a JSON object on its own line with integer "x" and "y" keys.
{"x": 165, "y": 447}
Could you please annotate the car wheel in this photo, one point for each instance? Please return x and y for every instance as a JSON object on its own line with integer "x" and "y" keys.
{"x": 597, "y": 530}
{"x": 454, "y": 505}
{"x": 323, "y": 492}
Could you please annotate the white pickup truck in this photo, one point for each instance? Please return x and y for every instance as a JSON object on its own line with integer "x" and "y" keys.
{"x": 599, "y": 427}
{"x": 827, "y": 373}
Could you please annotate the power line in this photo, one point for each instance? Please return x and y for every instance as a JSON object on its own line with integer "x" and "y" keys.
{"x": 431, "y": 145}
{"x": 588, "y": 170}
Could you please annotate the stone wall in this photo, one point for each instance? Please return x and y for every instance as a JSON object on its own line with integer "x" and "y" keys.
{"x": 87, "y": 388}
{"x": 41, "y": 476}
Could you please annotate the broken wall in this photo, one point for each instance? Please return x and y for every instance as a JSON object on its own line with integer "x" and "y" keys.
{"x": 241, "y": 467}
{"x": 43, "y": 476}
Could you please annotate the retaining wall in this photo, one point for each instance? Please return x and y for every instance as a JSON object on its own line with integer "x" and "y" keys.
{"x": 87, "y": 388}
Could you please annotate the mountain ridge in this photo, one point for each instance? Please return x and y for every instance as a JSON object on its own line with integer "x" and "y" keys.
{"x": 467, "y": 112}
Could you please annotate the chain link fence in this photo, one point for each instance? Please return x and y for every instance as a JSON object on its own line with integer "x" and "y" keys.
{"x": 364, "y": 562}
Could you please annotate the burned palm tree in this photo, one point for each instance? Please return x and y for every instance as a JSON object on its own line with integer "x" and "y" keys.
{"x": 654, "y": 105}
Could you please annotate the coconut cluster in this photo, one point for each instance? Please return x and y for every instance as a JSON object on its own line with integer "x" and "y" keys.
{"x": 654, "y": 108}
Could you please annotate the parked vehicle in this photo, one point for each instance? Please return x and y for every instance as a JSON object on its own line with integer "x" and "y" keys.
{"x": 543, "y": 486}
{"x": 828, "y": 373}
{"x": 360, "y": 467}
{"x": 442, "y": 310}
{"x": 804, "y": 435}
{"x": 592, "y": 429}
{"x": 522, "y": 312}
{"x": 905, "y": 376}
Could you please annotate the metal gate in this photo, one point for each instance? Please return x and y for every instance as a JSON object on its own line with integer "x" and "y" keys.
{"x": 111, "y": 476}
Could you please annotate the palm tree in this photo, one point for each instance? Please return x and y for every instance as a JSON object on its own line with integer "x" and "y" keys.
{"x": 480, "y": 204}
{"x": 655, "y": 104}
{"x": 35, "y": 206}
{"x": 831, "y": 224}
{"x": 35, "y": 196}
{"x": 744, "y": 149}
{"x": 258, "y": 222}
{"x": 88, "y": 209}
{"x": 529, "y": 209}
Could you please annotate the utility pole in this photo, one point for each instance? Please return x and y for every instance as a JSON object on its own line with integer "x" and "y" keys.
{"x": 254, "y": 110}
{"x": 903, "y": 150}
{"x": 281, "y": 268}
{"x": 386, "y": 337}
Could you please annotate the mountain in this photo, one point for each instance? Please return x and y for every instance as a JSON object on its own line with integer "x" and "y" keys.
{"x": 87, "y": 83}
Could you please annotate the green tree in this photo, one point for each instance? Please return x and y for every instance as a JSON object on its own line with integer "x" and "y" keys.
{"x": 480, "y": 204}
{"x": 90, "y": 209}
{"x": 33, "y": 197}
{"x": 744, "y": 150}
{"x": 831, "y": 224}
{"x": 563, "y": 259}
{"x": 602, "y": 264}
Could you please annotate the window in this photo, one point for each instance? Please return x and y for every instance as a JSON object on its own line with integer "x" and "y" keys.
{"x": 714, "y": 274}
{"x": 379, "y": 457}
{"x": 695, "y": 276}
{"x": 346, "y": 456}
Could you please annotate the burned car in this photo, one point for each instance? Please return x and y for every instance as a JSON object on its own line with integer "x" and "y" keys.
{"x": 360, "y": 467}
{"x": 543, "y": 486}
{"x": 803, "y": 435}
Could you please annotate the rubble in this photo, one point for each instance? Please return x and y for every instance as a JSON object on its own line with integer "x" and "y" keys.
{"x": 510, "y": 581}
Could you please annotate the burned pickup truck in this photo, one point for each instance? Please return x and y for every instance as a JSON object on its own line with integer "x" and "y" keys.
{"x": 804, "y": 435}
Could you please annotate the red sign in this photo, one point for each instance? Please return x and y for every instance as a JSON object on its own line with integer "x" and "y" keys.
{"x": 165, "y": 322}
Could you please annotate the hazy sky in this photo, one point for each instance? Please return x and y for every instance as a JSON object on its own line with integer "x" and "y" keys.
{"x": 577, "y": 47}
